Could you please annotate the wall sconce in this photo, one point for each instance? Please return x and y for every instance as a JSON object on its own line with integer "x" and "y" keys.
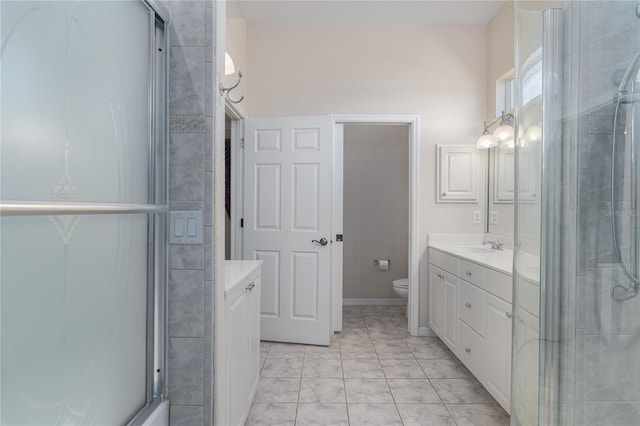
{"x": 503, "y": 135}
{"x": 229, "y": 69}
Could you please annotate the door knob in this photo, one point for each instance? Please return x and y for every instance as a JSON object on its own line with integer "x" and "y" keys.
{"x": 322, "y": 242}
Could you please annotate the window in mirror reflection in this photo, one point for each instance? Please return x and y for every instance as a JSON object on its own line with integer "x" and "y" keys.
{"x": 532, "y": 82}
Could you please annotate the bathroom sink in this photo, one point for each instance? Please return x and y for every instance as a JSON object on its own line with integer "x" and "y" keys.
{"x": 472, "y": 249}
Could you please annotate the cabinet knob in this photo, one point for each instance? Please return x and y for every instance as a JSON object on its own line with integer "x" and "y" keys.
{"x": 444, "y": 194}
{"x": 251, "y": 286}
{"x": 468, "y": 305}
{"x": 467, "y": 350}
{"x": 468, "y": 273}
{"x": 508, "y": 314}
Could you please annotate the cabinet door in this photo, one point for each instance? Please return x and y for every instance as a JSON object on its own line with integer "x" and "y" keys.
{"x": 253, "y": 324}
{"x": 435, "y": 289}
{"x": 457, "y": 174}
{"x": 236, "y": 352}
{"x": 450, "y": 311}
{"x": 498, "y": 345}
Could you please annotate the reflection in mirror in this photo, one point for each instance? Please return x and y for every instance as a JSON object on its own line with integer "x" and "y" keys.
{"x": 501, "y": 190}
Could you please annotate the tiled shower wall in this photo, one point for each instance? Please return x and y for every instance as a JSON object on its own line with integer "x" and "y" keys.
{"x": 605, "y": 36}
{"x": 190, "y": 188}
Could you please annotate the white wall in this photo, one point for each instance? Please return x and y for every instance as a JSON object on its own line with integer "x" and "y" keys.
{"x": 236, "y": 46}
{"x": 500, "y": 51}
{"x": 436, "y": 71}
{"x": 376, "y": 208}
{"x": 500, "y": 60}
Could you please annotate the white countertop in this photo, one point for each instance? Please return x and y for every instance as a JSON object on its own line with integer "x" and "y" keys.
{"x": 463, "y": 246}
{"x": 237, "y": 270}
{"x": 529, "y": 267}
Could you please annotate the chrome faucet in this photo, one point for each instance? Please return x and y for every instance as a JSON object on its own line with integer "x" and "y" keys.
{"x": 495, "y": 245}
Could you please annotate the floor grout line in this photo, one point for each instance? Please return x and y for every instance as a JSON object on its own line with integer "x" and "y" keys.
{"x": 382, "y": 323}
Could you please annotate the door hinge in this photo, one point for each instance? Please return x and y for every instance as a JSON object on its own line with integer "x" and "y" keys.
{"x": 339, "y": 237}
{"x": 242, "y": 143}
{"x": 242, "y": 222}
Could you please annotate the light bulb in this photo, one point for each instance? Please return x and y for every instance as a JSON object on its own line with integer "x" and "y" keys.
{"x": 229, "y": 67}
{"x": 509, "y": 143}
{"x": 503, "y": 132}
{"x": 534, "y": 133}
{"x": 486, "y": 141}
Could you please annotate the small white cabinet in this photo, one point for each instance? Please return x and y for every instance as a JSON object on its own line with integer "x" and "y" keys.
{"x": 470, "y": 310}
{"x": 457, "y": 174}
{"x": 242, "y": 338}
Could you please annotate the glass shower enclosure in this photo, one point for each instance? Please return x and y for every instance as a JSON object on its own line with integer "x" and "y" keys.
{"x": 82, "y": 211}
{"x": 576, "y": 347}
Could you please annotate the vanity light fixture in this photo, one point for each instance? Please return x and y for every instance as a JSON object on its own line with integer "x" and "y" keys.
{"x": 503, "y": 135}
{"x": 487, "y": 140}
{"x": 229, "y": 69}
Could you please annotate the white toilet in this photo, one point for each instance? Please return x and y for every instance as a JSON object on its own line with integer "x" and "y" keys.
{"x": 401, "y": 287}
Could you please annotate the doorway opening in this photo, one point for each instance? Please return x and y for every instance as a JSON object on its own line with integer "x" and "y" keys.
{"x": 375, "y": 213}
{"x": 404, "y": 129}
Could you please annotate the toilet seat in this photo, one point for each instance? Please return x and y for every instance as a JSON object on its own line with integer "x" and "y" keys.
{"x": 402, "y": 283}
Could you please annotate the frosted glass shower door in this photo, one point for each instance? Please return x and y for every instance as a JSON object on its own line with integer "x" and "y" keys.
{"x": 82, "y": 206}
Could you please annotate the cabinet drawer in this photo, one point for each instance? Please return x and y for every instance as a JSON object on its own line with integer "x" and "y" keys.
{"x": 498, "y": 284}
{"x": 471, "y": 303}
{"x": 444, "y": 261}
{"x": 472, "y": 272}
{"x": 470, "y": 349}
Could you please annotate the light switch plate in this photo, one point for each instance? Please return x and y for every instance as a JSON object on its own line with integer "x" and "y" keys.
{"x": 476, "y": 216}
{"x": 189, "y": 227}
{"x": 494, "y": 217}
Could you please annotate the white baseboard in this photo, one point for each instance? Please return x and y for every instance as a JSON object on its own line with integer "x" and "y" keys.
{"x": 425, "y": 331}
{"x": 398, "y": 301}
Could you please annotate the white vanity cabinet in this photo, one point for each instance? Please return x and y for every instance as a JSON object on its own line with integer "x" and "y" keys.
{"x": 242, "y": 337}
{"x": 470, "y": 310}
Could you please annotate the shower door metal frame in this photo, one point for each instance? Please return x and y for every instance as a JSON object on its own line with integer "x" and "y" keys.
{"x": 558, "y": 259}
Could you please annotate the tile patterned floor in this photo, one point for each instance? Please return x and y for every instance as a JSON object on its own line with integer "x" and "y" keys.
{"x": 373, "y": 373}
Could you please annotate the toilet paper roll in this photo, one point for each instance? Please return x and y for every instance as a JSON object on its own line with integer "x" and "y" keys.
{"x": 383, "y": 265}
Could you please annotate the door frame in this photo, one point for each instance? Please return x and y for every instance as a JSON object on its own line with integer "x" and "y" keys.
{"x": 413, "y": 120}
{"x": 237, "y": 193}
{"x": 237, "y": 178}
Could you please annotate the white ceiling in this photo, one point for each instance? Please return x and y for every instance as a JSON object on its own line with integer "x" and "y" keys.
{"x": 365, "y": 11}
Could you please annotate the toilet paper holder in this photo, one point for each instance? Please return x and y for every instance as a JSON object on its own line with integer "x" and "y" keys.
{"x": 377, "y": 261}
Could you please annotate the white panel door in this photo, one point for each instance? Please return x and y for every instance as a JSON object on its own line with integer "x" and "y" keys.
{"x": 287, "y": 205}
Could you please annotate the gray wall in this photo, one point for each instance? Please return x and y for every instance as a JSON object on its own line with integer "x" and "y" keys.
{"x": 376, "y": 208}
{"x": 190, "y": 188}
